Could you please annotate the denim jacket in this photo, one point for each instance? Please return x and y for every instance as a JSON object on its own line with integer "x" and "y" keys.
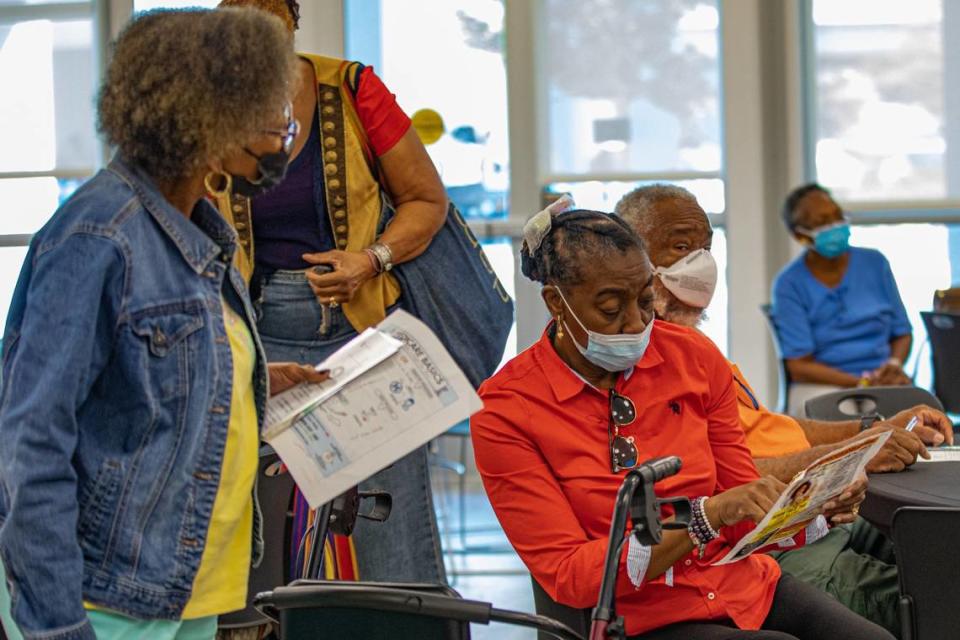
{"x": 114, "y": 403}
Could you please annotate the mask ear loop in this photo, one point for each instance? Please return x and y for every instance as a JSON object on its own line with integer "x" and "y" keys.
{"x": 223, "y": 176}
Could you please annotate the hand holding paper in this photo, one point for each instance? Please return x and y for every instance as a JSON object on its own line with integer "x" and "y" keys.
{"x": 829, "y": 483}
{"x": 392, "y": 389}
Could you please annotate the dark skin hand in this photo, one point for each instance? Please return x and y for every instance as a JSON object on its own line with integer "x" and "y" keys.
{"x": 615, "y": 296}
{"x": 286, "y": 375}
{"x": 815, "y": 210}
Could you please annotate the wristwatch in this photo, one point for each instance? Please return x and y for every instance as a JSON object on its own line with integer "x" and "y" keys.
{"x": 867, "y": 421}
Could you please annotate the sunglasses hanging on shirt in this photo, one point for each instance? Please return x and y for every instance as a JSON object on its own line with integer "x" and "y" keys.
{"x": 623, "y": 452}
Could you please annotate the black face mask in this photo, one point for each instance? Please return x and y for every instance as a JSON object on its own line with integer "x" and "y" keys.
{"x": 272, "y": 168}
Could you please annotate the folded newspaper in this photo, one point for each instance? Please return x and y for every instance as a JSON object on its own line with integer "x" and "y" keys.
{"x": 802, "y": 501}
{"x": 391, "y": 390}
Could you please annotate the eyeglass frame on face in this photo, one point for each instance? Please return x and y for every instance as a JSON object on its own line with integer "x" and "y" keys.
{"x": 288, "y": 134}
{"x": 613, "y": 432}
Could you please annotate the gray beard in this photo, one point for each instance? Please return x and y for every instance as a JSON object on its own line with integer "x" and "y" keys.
{"x": 669, "y": 308}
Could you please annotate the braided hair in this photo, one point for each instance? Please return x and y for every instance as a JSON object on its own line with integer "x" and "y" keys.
{"x": 790, "y": 205}
{"x": 576, "y": 236}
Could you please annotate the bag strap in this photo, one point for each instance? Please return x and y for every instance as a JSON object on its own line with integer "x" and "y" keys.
{"x": 350, "y": 74}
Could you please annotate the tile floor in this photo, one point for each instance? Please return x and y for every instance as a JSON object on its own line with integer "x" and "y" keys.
{"x": 481, "y": 565}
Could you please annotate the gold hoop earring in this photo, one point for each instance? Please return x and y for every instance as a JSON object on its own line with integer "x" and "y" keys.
{"x": 216, "y": 175}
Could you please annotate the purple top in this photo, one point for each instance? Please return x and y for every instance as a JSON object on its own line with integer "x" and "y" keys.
{"x": 291, "y": 219}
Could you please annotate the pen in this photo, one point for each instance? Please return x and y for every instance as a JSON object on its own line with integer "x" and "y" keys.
{"x": 910, "y": 425}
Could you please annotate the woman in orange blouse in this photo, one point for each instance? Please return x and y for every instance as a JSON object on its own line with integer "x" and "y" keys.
{"x": 605, "y": 388}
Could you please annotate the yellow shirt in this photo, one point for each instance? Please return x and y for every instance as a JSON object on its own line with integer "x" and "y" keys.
{"x": 221, "y": 582}
{"x": 768, "y": 434}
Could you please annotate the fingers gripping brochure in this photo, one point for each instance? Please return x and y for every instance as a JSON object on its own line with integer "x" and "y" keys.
{"x": 825, "y": 479}
{"x": 391, "y": 390}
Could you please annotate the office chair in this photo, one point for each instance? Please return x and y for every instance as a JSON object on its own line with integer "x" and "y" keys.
{"x": 783, "y": 399}
{"x": 944, "y": 332}
{"x": 947, "y": 300}
{"x": 852, "y": 404}
{"x": 927, "y": 562}
{"x": 374, "y": 610}
{"x": 576, "y": 619}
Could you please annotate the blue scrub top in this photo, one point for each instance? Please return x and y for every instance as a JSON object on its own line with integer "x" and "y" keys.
{"x": 848, "y": 327}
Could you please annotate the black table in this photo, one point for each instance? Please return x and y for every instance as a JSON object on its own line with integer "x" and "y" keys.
{"x": 925, "y": 484}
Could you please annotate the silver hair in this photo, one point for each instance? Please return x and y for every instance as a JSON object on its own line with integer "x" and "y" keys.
{"x": 639, "y": 206}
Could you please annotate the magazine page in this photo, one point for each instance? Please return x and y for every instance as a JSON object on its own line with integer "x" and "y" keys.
{"x": 409, "y": 398}
{"x": 824, "y": 480}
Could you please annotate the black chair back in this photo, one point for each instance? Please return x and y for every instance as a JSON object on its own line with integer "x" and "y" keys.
{"x": 338, "y": 609}
{"x": 308, "y": 609}
{"x": 275, "y": 494}
{"x": 944, "y": 332}
{"x": 851, "y": 404}
{"x": 926, "y": 559}
{"x": 576, "y": 619}
{"x": 783, "y": 399}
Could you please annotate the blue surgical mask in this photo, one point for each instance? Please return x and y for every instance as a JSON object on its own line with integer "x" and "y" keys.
{"x": 832, "y": 241}
{"x": 611, "y": 352}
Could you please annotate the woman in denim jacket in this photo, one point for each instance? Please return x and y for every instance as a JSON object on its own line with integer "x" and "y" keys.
{"x": 133, "y": 379}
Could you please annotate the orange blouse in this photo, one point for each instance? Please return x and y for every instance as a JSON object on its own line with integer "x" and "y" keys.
{"x": 541, "y": 448}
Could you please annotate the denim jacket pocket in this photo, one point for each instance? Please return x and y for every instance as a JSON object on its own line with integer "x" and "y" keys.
{"x": 97, "y": 499}
{"x": 165, "y": 331}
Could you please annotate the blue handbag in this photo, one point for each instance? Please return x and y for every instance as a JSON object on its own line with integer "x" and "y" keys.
{"x": 453, "y": 289}
{"x": 450, "y": 286}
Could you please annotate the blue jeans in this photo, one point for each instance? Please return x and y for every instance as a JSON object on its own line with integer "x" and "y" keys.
{"x": 405, "y": 548}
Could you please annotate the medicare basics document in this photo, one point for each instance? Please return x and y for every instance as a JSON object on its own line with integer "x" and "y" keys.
{"x": 392, "y": 389}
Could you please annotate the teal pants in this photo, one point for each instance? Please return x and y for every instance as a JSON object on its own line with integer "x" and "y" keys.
{"x": 855, "y": 564}
{"x": 112, "y": 626}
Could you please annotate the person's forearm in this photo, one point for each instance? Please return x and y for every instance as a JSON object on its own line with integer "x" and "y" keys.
{"x": 900, "y": 348}
{"x": 417, "y": 192}
{"x": 783, "y": 468}
{"x": 817, "y": 373}
{"x": 819, "y": 432}
{"x": 413, "y": 228}
{"x": 674, "y": 546}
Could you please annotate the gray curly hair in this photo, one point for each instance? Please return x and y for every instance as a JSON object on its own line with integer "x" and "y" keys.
{"x": 638, "y": 206}
{"x": 187, "y": 87}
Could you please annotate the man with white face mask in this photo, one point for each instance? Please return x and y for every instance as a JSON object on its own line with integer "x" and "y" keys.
{"x": 854, "y": 563}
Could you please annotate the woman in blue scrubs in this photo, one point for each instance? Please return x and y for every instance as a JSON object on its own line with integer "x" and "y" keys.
{"x": 838, "y": 313}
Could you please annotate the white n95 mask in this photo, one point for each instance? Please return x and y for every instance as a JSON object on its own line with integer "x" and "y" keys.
{"x": 691, "y": 279}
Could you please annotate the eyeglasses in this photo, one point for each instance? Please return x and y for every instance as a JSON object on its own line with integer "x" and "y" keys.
{"x": 623, "y": 453}
{"x": 288, "y": 133}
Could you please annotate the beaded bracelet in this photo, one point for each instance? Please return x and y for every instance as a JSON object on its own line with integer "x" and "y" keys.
{"x": 700, "y": 530}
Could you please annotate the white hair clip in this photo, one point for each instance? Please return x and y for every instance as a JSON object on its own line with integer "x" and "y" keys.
{"x": 539, "y": 225}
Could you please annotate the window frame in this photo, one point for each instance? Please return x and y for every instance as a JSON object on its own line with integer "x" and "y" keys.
{"x": 860, "y": 211}
{"x": 95, "y": 11}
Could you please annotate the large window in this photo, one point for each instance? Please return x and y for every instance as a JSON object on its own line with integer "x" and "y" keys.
{"x": 884, "y": 79}
{"x": 617, "y": 118}
{"x": 46, "y": 120}
{"x": 881, "y": 94}
{"x": 457, "y": 75}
